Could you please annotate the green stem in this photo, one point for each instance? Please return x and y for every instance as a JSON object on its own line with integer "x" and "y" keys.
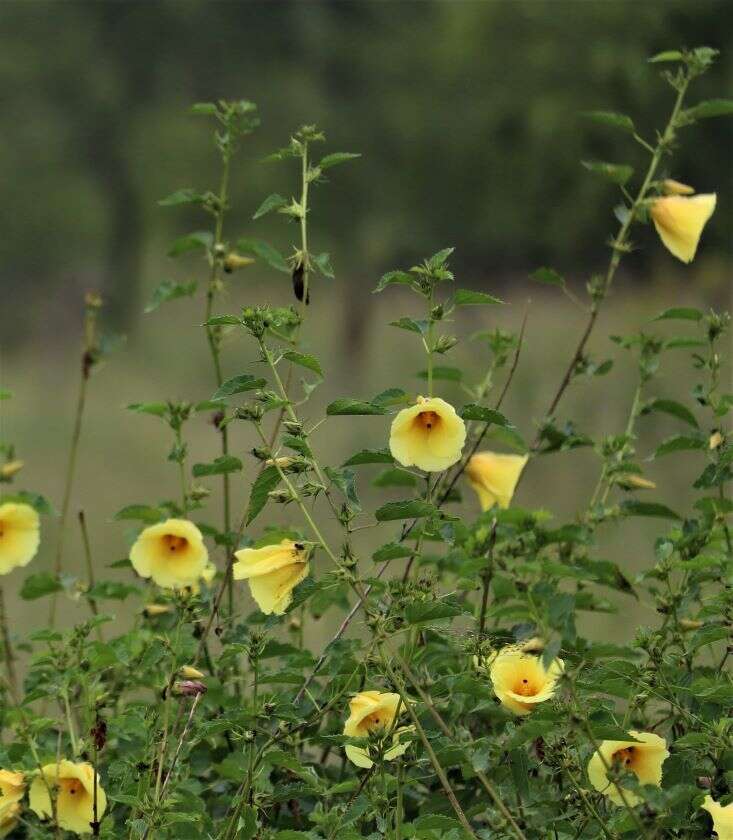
{"x": 90, "y": 571}
{"x": 7, "y": 647}
{"x": 304, "y": 228}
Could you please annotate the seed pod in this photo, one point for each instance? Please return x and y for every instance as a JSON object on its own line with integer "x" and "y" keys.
{"x": 188, "y": 688}
{"x": 299, "y": 284}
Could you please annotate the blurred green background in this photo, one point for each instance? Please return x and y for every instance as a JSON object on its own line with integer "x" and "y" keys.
{"x": 467, "y": 116}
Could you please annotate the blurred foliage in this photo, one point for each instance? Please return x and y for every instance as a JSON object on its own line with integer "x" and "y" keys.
{"x": 467, "y": 115}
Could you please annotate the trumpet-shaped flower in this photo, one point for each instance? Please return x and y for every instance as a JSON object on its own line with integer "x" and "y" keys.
{"x": 679, "y": 221}
{"x": 494, "y": 477}
{"x": 722, "y": 817}
{"x": 428, "y": 435}
{"x": 374, "y": 712}
{"x": 12, "y": 788}
{"x": 73, "y": 788}
{"x": 643, "y": 757}
{"x": 273, "y": 572}
{"x": 172, "y": 553}
{"x": 19, "y": 535}
{"x": 520, "y": 679}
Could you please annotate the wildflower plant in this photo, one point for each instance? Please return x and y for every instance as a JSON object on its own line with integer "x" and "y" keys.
{"x": 459, "y": 696}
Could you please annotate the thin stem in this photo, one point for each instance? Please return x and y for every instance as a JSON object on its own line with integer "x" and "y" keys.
{"x": 429, "y": 340}
{"x": 70, "y": 721}
{"x": 90, "y": 571}
{"x": 304, "y": 228}
{"x": 7, "y": 646}
{"x": 487, "y": 575}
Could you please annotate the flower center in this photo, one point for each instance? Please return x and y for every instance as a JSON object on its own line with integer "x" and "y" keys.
{"x": 376, "y": 720}
{"x": 625, "y": 758}
{"x": 173, "y": 543}
{"x": 525, "y": 688}
{"x": 428, "y": 420}
{"x": 2, "y": 528}
{"x": 71, "y": 786}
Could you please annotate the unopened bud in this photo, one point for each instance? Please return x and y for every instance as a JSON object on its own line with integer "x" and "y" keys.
{"x": 10, "y": 469}
{"x": 716, "y": 439}
{"x": 152, "y": 610}
{"x": 191, "y": 673}
{"x": 283, "y": 462}
{"x": 199, "y": 492}
{"x": 233, "y": 261}
{"x": 93, "y": 300}
{"x": 672, "y": 187}
{"x": 636, "y": 482}
{"x": 690, "y": 624}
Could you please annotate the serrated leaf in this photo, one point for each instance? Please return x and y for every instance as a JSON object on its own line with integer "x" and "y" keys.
{"x": 266, "y": 481}
{"x": 395, "y": 278}
{"x": 679, "y": 313}
{"x": 674, "y": 408}
{"x": 184, "y": 196}
{"x": 612, "y": 119}
{"x": 709, "y": 108}
{"x": 466, "y": 297}
{"x": 547, "y": 276}
{"x": 632, "y": 507}
{"x": 419, "y": 327}
{"x": 142, "y": 513}
{"x": 344, "y": 479}
{"x": 345, "y": 405}
{"x": 222, "y": 465}
{"x": 238, "y": 385}
{"x": 38, "y": 585}
{"x": 323, "y": 264}
{"x": 408, "y": 509}
{"x": 369, "y": 456}
{"x": 264, "y": 251}
{"x": 422, "y": 612}
{"x": 335, "y": 158}
{"x": 274, "y": 201}
{"x": 618, "y": 173}
{"x": 223, "y": 321}
{"x": 391, "y": 551}
{"x": 191, "y": 242}
{"x": 390, "y": 396}
{"x": 483, "y": 415}
{"x": 304, "y": 360}
{"x": 157, "y": 409}
{"x": 170, "y": 290}
{"x": 678, "y": 443}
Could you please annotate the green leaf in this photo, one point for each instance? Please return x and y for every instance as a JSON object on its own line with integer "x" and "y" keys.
{"x": 170, "y": 290}
{"x": 547, "y": 276}
{"x": 222, "y": 465}
{"x": 483, "y": 415}
{"x": 304, "y": 360}
{"x": 185, "y": 196}
{"x": 142, "y": 513}
{"x": 449, "y": 374}
{"x": 38, "y": 502}
{"x": 112, "y": 590}
{"x": 323, "y": 264}
{"x": 266, "y": 481}
{"x": 264, "y": 251}
{"x": 391, "y": 551}
{"x": 191, "y": 242}
{"x": 679, "y": 313}
{"x": 274, "y": 201}
{"x": 345, "y": 405}
{"x": 389, "y": 397}
{"x": 667, "y": 55}
{"x": 157, "y": 409}
{"x": 632, "y": 507}
{"x": 369, "y": 456}
{"x": 38, "y": 585}
{"x": 710, "y": 108}
{"x": 672, "y": 407}
{"x": 395, "y": 478}
{"x": 335, "y": 158}
{"x": 422, "y": 612}
{"x": 206, "y": 109}
{"x": 238, "y": 385}
{"x": 519, "y": 768}
{"x": 465, "y": 297}
{"x": 419, "y": 327}
{"x": 223, "y": 321}
{"x": 618, "y": 173}
{"x": 392, "y": 278}
{"x": 5, "y": 394}
{"x": 345, "y": 481}
{"x": 247, "y": 824}
{"x": 679, "y": 443}
{"x": 612, "y": 119}
{"x": 408, "y": 509}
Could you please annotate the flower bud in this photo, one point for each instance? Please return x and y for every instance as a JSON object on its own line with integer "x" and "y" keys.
{"x": 233, "y": 262}
{"x": 188, "y": 688}
{"x": 635, "y": 482}
{"x": 672, "y": 187}
{"x": 10, "y": 469}
{"x": 716, "y": 440}
{"x": 690, "y": 624}
{"x": 191, "y": 673}
{"x": 152, "y": 610}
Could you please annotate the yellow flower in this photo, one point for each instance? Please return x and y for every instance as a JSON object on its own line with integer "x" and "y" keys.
{"x": 722, "y": 817}
{"x": 679, "y": 221}
{"x": 273, "y": 572}
{"x": 19, "y": 535}
{"x": 74, "y": 792}
{"x": 643, "y": 757}
{"x": 12, "y": 788}
{"x": 429, "y": 435}
{"x": 520, "y": 679}
{"x": 494, "y": 477}
{"x": 672, "y": 187}
{"x": 172, "y": 553}
{"x": 190, "y": 673}
{"x": 374, "y": 712}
